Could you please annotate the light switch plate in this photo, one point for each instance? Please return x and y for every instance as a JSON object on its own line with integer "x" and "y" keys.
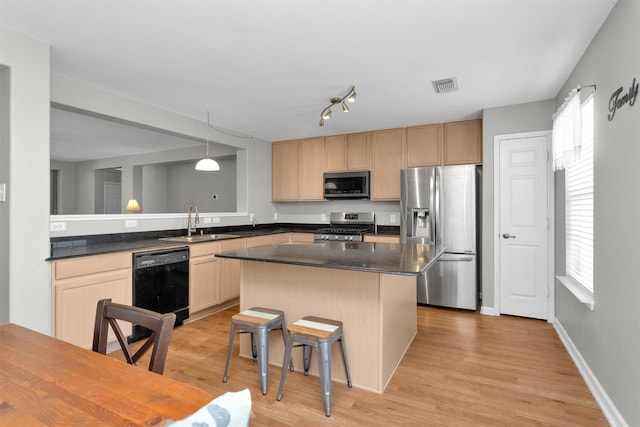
{"x": 392, "y": 219}
{"x": 3, "y": 192}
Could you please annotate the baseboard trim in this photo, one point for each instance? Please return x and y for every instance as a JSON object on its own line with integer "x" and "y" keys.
{"x": 611, "y": 413}
{"x": 489, "y": 311}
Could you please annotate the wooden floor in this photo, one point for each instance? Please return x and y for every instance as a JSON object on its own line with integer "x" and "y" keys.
{"x": 463, "y": 369}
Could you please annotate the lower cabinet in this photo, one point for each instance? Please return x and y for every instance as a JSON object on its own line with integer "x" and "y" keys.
{"x": 204, "y": 276}
{"x": 382, "y": 239}
{"x": 230, "y": 270}
{"x": 78, "y": 284}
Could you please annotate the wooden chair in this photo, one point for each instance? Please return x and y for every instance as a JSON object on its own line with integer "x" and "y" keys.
{"x": 161, "y": 326}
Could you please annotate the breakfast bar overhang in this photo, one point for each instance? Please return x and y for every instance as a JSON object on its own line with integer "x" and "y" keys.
{"x": 370, "y": 287}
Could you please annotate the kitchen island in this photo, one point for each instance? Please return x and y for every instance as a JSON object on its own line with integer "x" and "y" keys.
{"x": 370, "y": 287}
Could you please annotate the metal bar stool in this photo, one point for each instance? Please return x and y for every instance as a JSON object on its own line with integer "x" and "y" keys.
{"x": 257, "y": 321}
{"x": 320, "y": 333}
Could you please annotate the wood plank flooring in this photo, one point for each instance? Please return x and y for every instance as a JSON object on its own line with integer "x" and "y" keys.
{"x": 463, "y": 369}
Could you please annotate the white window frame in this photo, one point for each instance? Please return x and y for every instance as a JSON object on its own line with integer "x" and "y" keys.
{"x": 579, "y": 185}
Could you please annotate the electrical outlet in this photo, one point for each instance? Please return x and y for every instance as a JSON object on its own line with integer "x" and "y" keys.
{"x": 215, "y": 219}
{"x": 252, "y": 217}
{"x": 323, "y": 217}
{"x": 130, "y": 223}
{"x": 57, "y": 226}
{"x": 392, "y": 219}
{"x": 275, "y": 216}
{"x": 207, "y": 220}
{"x": 3, "y": 192}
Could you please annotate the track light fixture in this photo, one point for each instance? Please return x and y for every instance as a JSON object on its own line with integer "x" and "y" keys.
{"x": 349, "y": 97}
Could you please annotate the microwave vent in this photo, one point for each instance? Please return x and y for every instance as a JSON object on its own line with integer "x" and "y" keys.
{"x": 445, "y": 85}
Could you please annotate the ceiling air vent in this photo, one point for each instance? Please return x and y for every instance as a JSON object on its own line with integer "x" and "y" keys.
{"x": 445, "y": 85}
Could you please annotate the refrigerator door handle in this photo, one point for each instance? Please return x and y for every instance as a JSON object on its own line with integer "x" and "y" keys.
{"x": 455, "y": 259}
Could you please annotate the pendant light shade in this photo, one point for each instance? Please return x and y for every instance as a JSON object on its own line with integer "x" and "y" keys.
{"x": 207, "y": 164}
{"x": 133, "y": 206}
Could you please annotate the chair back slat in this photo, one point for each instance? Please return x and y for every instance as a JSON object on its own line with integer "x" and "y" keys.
{"x": 161, "y": 326}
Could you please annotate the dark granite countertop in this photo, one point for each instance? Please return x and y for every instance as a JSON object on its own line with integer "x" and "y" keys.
{"x": 77, "y": 246}
{"x": 387, "y": 258}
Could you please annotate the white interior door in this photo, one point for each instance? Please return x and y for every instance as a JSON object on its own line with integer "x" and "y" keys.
{"x": 524, "y": 221}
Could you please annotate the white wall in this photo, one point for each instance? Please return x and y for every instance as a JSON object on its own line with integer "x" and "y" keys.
{"x": 251, "y": 167}
{"x": 528, "y": 117}
{"x": 608, "y": 338}
{"x": 29, "y": 282}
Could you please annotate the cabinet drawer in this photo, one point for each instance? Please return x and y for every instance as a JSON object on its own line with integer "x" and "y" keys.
{"x": 200, "y": 249}
{"x": 260, "y": 241}
{"x": 64, "y": 269}
{"x": 233, "y": 245}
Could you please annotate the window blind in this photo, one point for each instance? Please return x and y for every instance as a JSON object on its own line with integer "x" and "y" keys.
{"x": 579, "y": 204}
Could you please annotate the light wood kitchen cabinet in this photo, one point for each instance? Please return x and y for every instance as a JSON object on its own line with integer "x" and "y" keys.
{"x": 252, "y": 242}
{"x": 301, "y": 237}
{"x": 462, "y": 142}
{"x": 78, "y": 285}
{"x": 281, "y": 238}
{"x": 312, "y": 169}
{"x": 285, "y": 171}
{"x": 230, "y": 270}
{"x": 348, "y": 152}
{"x": 297, "y": 170}
{"x": 382, "y": 239}
{"x": 204, "y": 276}
{"x": 424, "y": 145}
{"x": 387, "y": 158}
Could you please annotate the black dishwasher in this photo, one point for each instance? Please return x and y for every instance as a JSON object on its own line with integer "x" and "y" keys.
{"x": 161, "y": 284}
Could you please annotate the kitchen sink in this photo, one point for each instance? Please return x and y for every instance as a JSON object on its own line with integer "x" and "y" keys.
{"x": 195, "y": 238}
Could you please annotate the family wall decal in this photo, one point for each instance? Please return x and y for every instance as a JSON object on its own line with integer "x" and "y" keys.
{"x": 616, "y": 101}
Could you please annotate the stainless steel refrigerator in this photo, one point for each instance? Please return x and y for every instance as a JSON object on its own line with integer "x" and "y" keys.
{"x": 440, "y": 205}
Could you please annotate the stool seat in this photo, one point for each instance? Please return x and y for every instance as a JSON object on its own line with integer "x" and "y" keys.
{"x": 258, "y": 321}
{"x": 321, "y": 333}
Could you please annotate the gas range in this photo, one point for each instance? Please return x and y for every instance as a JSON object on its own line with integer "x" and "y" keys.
{"x": 347, "y": 226}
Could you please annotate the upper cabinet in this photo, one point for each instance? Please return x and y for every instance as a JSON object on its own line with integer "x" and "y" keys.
{"x": 462, "y": 142}
{"x": 424, "y": 145}
{"x": 297, "y": 168}
{"x": 349, "y": 152}
{"x": 299, "y": 165}
{"x": 387, "y": 158}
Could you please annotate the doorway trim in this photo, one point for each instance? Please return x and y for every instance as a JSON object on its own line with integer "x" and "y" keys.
{"x": 550, "y": 215}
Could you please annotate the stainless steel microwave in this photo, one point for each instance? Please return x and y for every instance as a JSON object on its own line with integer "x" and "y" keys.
{"x": 347, "y": 185}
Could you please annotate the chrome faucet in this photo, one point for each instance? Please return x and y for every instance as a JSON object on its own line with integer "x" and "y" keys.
{"x": 192, "y": 228}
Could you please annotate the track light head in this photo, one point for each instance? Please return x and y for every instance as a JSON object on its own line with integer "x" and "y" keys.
{"x": 345, "y": 109}
{"x": 326, "y": 114}
{"x": 351, "y": 96}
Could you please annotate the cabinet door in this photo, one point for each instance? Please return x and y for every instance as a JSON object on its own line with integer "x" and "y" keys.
{"x": 463, "y": 142}
{"x": 335, "y": 153}
{"x": 312, "y": 168}
{"x": 260, "y": 240}
{"x": 301, "y": 237}
{"x": 359, "y": 151}
{"x": 387, "y": 158}
{"x": 230, "y": 270}
{"x": 204, "y": 282}
{"x": 382, "y": 239}
{"x": 76, "y": 301}
{"x": 285, "y": 169}
{"x": 424, "y": 146}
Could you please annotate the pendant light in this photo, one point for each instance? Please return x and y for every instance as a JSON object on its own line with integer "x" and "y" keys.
{"x": 207, "y": 164}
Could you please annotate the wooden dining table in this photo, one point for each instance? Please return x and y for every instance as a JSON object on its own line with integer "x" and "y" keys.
{"x": 46, "y": 381}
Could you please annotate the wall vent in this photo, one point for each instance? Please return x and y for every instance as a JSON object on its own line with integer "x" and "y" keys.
{"x": 445, "y": 85}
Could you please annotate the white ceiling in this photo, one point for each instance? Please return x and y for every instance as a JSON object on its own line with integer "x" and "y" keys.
{"x": 267, "y": 68}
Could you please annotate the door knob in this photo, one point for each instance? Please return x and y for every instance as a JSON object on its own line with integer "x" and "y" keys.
{"x": 508, "y": 236}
